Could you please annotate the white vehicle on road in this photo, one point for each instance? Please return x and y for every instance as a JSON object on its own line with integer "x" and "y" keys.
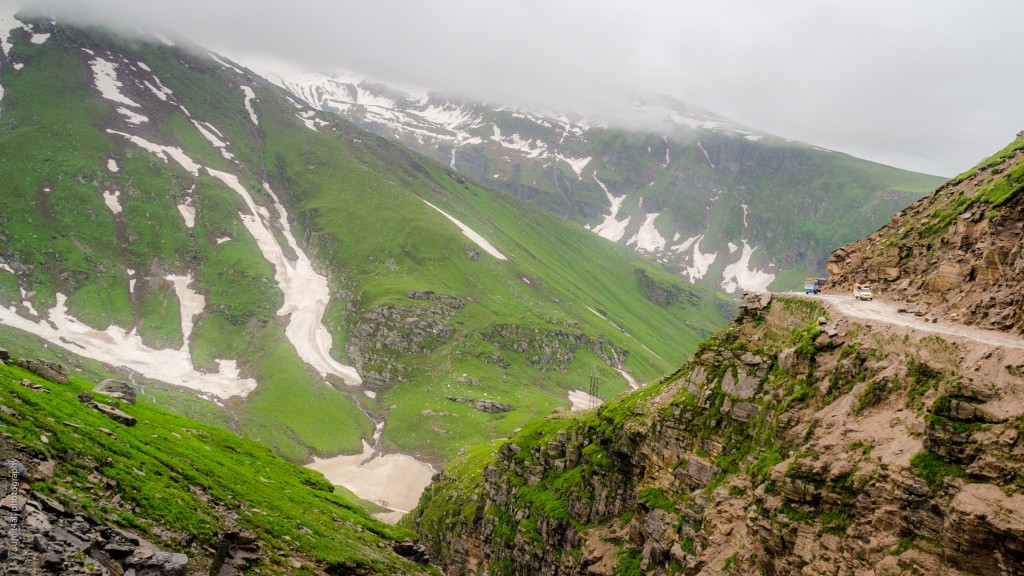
{"x": 862, "y": 292}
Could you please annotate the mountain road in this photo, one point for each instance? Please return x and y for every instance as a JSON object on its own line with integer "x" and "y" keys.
{"x": 887, "y": 312}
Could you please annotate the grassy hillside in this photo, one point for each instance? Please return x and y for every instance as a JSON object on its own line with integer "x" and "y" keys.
{"x": 355, "y": 204}
{"x": 184, "y": 484}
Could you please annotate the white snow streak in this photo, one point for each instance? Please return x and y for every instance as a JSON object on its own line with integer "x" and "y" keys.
{"x": 7, "y": 23}
{"x": 105, "y": 77}
{"x": 132, "y": 117}
{"x": 225, "y": 64}
{"x": 577, "y": 164}
{"x": 611, "y": 228}
{"x": 188, "y": 214}
{"x": 207, "y": 131}
{"x": 701, "y": 146}
{"x": 306, "y": 293}
{"x": 249, "y": 97}
{"x": 476, "y": 238}
{"x": 739, "y": 274}
{"x": 163, "y": 152}
{"x": 648, "y": 239}
{"x": 191, "y": 304}
{"x": 746, "y": 209}
{"x": 701, "y": 262}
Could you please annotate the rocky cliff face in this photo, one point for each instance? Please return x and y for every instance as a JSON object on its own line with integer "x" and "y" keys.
{"x": 797, "y": 441}
{"x": 956, "y": 253}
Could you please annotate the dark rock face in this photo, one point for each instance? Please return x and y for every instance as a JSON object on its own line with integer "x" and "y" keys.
{"x": 555, "y": 348}
{"x": 483, "y": 405}
{"x": 949, "y": 254}
{"x": 415, "y": 552}
{"x": 53, "y": 541}
{"x": 237, "y": 551}
{"x": 386, "y": 331}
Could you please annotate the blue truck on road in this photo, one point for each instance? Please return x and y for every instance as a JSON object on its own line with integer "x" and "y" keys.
{"x": 814, "y": 285}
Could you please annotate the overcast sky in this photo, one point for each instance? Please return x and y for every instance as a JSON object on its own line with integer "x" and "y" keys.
{"x": 930, "y": 85}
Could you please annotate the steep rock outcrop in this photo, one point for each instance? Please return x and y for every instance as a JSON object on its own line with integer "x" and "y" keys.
{"x": 956, "y": 253}
{"x": 796, "y": 442}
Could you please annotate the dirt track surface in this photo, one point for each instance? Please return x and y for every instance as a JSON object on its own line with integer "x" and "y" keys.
{"x": 881, "y": 311}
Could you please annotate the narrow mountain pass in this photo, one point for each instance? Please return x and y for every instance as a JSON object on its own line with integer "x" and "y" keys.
{"x": 890, "y": 313}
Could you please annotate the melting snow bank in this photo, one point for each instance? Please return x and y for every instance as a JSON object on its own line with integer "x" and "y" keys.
{"x": 116, "y": 347}
{"x": 249, "y": 97}
{"x": 394, "y": 481}
{"x": 105, "y": 77}
{"x": 611, "y": 228}
{"x": 306, "y": 293}
{"x": 648, "y": 239}
{"x": 113, "y": 201}
{"x": 701, "y": 261}
{"x": 476, "y": 238}
{"x": 633, "y": 384}
{"x": 580, "y": 400}
{"x": 740, "y": 275}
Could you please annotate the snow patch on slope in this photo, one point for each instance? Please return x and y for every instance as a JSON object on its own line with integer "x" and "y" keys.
{"x": 117, "y": 347}
{"x": 577, "y": 164}
{"x": 191, "y": 303}
{"x": 611, "y": 228}
{"x": 249, "y": 97}
{"x": 188, "y": 214}
{"x": 39, "y": 38}
{"x": 207, "y": 130}
{"x": 708, "y": 158}
{"x": 112, "y": 165}
{"x": 163, "y": 152}
{"x": 224, "y": 63}
{"x": 7, "y": 23}
{"x": 648, "y": 239}
{"x": 476, "y": 238}
{"x": 113, "y": 201}
{"x": 306, "y": 293}
{"x": 739, "y": 274}
{"x": 581, "y": 400}
{"x": 701, "y": 261}
{"x": 105, "y": 77}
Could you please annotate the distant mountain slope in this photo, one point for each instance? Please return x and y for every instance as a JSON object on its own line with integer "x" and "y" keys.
{"x": 179, "y": 220}
{"x": 955, "y": 254}
{"x": 731, "y": 207}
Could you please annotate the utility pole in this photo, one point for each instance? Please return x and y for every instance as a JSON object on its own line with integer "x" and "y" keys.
{"x": 595, "y": 383}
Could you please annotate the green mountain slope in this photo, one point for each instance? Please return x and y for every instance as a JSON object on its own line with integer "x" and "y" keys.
{"x": 186, "y": 486}
{"x": 157, "y": 246}
{"x": 731, "y": 207}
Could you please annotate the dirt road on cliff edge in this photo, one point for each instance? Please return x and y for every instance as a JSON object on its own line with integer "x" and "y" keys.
{"x": 881, "y": 311}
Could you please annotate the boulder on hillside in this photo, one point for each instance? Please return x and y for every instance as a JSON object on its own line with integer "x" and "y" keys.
{"x": 116, "y": 389}
{"x": 483, "y": 405}
{"x": 52, "y": 371}
{"x": 113, "y": 413}
{"x": 5, "y": 356}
